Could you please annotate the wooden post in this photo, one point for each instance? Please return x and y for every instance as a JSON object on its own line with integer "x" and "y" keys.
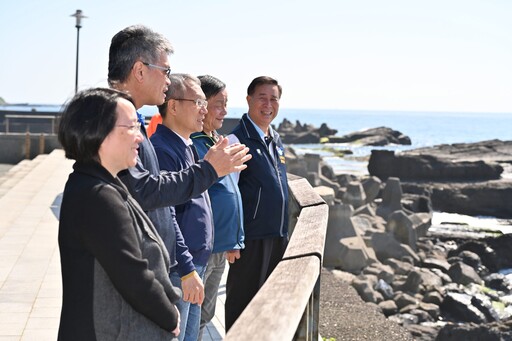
{"x": 308, "y": 328}
{"x": 315, "y": 318}
{"x": 41, "y": 143}
{"x": 27, "y": 145}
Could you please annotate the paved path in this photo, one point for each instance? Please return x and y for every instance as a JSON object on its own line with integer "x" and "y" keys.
{"x": 30, "y": 283}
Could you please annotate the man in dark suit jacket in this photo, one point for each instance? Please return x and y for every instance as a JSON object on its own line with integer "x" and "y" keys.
{"x": 264, "y": 190}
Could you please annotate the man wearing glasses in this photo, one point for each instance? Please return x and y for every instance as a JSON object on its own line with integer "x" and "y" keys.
{"x": 139, "y": 65}
{"x": 182, "y": 114}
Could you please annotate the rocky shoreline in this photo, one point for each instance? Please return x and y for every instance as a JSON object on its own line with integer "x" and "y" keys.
{"x": 437, "y": 287}
{"x": 463, "y": 178}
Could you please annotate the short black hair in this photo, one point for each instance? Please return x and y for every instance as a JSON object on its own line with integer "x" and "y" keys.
{"x": 87, "y": 120}
{"x": 263, "y": 80}
{"x": 211, "y": 86}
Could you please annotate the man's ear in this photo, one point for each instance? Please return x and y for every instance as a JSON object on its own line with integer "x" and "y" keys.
{"x": 138, "y": 71}
{"x": 172, "y": 107}
{"x": 248, "y": 98}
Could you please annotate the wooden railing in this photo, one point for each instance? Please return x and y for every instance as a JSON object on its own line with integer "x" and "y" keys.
{"x": 287, "y": 306}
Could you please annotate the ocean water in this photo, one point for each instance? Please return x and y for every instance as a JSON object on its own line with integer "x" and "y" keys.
{"x": 424, "y": 128}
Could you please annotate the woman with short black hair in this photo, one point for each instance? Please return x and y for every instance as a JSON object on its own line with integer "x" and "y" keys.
{"x": 114, "y": 265}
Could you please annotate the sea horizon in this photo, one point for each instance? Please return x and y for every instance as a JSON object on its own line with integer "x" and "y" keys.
{"x": 425, "y": 128}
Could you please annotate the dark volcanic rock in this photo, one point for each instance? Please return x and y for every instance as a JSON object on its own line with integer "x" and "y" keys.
{"x": 495, "y": 253}
{"x": 463, "y": 274}
{"x": 499, "y": 282}
{"x": 380, "y": 136}
{"x": 488, "y": 151}
{"x": 305, "y": 137}
{"x": 483, "y": 303}
{"x": 445, "y": 162}
{"x": 486, "y": 198}
{"x": 324, "y": 130}
{"x": 502, "y": 251}
{"x": 472, "y": 332}
{"x": 302, "y": 133}
{"x": 385, "y": 164}
{"x": 434, "y": 263}
{"x": 462, "y": 178}
{"x": 460, "y": 307}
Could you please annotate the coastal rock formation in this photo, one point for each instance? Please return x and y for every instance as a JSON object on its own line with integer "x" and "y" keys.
{"x": 380, "y": 136}
{"x": 490, "y": 331}
{"x": 459, "y": 178}
{"x": 422, "y": 167}
{"x": 421, "y": 282}
{"x": 489, "y": 198}
{"x": 306, "y": 133}
{"x": 497, "y": 151}
{"x": 302, "y": 133}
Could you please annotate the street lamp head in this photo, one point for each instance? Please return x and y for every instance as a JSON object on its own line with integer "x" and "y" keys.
{"x": 78, "y": 15}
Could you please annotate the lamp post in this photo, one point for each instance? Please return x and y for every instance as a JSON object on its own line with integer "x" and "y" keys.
{"x": 78, "y": 15}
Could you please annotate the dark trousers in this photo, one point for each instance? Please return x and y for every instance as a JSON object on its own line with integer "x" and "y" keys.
{"x": 246, "y": 275}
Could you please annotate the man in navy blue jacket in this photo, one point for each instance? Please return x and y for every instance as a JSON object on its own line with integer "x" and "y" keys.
{"x": 183, "y": 114}
{"x": 264, "y": 190}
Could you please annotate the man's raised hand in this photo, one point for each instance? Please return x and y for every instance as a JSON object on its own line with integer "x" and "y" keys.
{"x": 227, "y": 158}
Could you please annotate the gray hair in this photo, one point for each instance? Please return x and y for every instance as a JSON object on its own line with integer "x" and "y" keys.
{"x": 177, "y": 89}
{"x": 132, "y": 44}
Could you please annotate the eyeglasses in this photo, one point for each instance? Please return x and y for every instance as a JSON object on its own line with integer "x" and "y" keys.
{"x": 134, "y": 127}
{"x": 199, "y": 102}
{"x": 166, "y": 69}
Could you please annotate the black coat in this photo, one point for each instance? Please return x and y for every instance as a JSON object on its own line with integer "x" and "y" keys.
{"x": 114, "y": 265}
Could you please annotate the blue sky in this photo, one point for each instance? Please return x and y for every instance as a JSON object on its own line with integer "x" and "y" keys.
{"x": 429, "y": 55}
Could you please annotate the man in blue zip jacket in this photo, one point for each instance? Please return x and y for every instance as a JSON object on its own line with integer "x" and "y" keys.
{"x": 225, "y": 197}
{"x": 264, "y": 188}
{"x": 183, "y": 114}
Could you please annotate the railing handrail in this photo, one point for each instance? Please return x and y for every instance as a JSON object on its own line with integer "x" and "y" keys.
{"x": 287, "y": 306}
{"x": 31, "y": 116}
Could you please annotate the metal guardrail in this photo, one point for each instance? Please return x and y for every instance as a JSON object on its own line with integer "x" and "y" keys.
{"x": 27, "y": 135}
{"x": 53, "y": 118}
{"x": 287, "y": 306}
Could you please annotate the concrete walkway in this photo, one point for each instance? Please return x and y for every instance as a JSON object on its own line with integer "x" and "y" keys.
{"x": 30, "y": 282}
